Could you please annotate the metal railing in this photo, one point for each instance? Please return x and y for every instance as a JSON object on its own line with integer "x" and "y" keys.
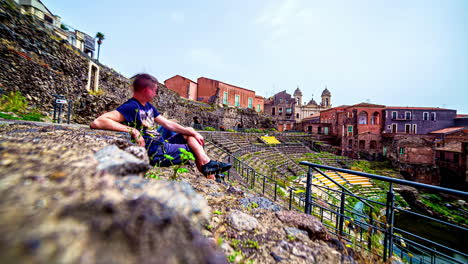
{"x": 368, "y": 226}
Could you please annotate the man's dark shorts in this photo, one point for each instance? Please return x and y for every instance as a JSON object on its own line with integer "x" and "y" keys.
{"x": 170, "y": 147}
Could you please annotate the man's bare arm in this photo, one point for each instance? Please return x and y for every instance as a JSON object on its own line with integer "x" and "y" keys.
{"x": 111, "y": 121}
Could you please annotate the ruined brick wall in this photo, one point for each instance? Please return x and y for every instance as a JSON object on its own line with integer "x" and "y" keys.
{"x": 414, "y": 156}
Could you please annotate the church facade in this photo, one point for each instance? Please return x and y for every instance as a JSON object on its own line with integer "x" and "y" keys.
{"x": 289, "y": 110}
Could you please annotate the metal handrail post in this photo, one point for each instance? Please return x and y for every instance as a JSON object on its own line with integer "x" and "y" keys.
{"x": 371, "y": 229}
{"x": 253, "y": 179}
{"x": 388, "y": 239}
{"x": 290, "y": 198}
{"x": 276, "y": 186}
{"x": 308, "y": 191}
{"x": 342, "y": 208}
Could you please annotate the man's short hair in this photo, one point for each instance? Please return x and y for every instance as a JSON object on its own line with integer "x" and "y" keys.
{"x": 143, "y": 80}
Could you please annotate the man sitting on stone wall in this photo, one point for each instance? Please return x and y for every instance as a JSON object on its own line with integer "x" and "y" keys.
{"x": 138, "y": 116}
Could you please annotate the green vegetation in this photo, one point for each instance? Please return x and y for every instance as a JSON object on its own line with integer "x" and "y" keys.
{"x": 251, "y": 244}
{"x": 185, "y": 156}
{"x": 207, "y": 128}
{"x": 16, "y": 106}
{"x": 153, "y": 173}
{"x": 216, "y": 212}
{"x": 373, "y": 167}
{"x": 444, "y": 207}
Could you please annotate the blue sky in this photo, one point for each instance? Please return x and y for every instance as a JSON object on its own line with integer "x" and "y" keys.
{"x": 397, "y": 53}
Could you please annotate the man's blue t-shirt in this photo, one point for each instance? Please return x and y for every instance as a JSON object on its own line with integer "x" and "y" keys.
{"x": 141, "y": 117}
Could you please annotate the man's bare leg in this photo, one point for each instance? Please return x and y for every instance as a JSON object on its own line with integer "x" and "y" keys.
{"x": 200, "y": 156}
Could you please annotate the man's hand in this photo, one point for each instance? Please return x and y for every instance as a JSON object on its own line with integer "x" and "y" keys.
{"x": 137, "y": 136}
{"x": 199, "y": 138}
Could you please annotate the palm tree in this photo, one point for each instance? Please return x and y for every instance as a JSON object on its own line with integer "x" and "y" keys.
{"x": 100, "y": 38}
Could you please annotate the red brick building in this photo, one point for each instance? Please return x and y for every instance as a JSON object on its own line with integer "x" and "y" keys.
{"x": 361, "y": 127}
{"x": 183, "y": 86}
{"x": 215, "y": 92}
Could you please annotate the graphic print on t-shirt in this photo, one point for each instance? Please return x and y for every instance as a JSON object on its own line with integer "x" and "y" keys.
{"x": 147, "y": 120}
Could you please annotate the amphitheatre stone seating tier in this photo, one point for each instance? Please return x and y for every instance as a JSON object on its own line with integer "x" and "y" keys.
{"x": 241, "y": 140}
{"x": 270, "y": 140}
{"x": 224, "y": 142}
{"x": 215, "y": 153}
{"x": 270, "y": 161}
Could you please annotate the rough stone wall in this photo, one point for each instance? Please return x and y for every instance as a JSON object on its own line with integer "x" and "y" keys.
{"x": 172, "y": 106}
{"x": 38, "y": 63}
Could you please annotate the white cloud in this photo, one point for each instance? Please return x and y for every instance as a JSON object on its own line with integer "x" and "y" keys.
{"x": 284, "y": 17}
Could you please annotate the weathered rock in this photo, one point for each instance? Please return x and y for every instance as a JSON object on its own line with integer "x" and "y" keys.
{"x": 294, "y": 232}
{"x": 259, "y": 202}
{"x": 139, "y": 152}
{"x": 58, "y": 208}
{"x": 306, "y": 222}
{"x": 118, "y": 162}
{"x": 176, "y": 195}
{"x": 242, "y": 221}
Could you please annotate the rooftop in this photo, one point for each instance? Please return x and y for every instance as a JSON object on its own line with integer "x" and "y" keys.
{"x": 417, "y": 108}
{"x": 448, "y": 130}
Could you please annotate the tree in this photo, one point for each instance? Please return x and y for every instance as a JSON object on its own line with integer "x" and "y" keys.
{"x": 100, "y": 38}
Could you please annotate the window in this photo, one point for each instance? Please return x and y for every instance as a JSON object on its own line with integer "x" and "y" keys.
{"x": 425, "y": 116}
{"x": 362, "y": 119}
{"x": 373, "y": 144}
{"x": 281, "y": 100}
{"x": 362, "y": 144}
{"x": 297, "y": 115}
{"x": 350, "y": 131}
{"x": 225, "y": 98}
{"x": 319, "y": 130}
{"x": 408, "y": 115}
{"x": 394, "y": 128}
{"x": 350, "y": 144}
{"x": 402, "y": 151}
{"x": 407, "y": 128}
{"x": 273, "y": 111}
{"x": 259, "y": 109}
{"x": 394, "y": 115}
{"x": 325, "y": 130}
{"x": 433, "y": 116}
{"x": 415, "y": 129}
{"x": 237, "y": 100}
{"x": 250, "y": 105}
{"x": 288, "y": 110}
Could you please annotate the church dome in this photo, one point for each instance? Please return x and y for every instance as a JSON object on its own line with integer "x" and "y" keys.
{"x": 326, "y": 92}
{"x": 297, "y": 92}
{"x": 312, "y": 102}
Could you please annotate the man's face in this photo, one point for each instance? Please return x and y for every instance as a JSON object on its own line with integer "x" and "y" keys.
{"x": 152, "y": 91}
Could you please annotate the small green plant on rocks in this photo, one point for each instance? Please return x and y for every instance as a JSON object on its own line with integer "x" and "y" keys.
{"x": 185, "y": 156}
